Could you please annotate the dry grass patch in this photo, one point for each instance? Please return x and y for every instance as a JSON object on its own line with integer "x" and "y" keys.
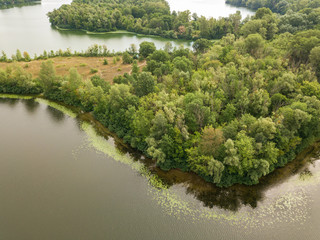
{"x": 83, "y": 64}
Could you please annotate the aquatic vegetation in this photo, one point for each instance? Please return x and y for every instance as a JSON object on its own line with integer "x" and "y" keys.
{"x": 281, "y": 207}
{"x": 305, "y": 175}
{"x": 15, "y": 96}
{"x": 289, "y": 206}
{"x": 57, "y": 106}
{"x": 102, "y": 145}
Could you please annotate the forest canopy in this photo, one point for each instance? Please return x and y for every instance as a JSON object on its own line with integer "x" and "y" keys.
{"x": 231, "y": 111}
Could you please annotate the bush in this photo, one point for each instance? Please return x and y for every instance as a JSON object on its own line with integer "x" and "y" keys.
{"x": 126, "y": 58}
{"x": 93, "y": 70}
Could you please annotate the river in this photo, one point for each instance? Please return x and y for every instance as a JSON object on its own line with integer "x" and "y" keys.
{"x": 61, "y": 179}
{"x": 28, "y": 28}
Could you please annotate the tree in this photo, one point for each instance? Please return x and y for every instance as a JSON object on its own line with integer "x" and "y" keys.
{"x": 254, "y": 44}
{"x": 215, "y": 169}
{"x": 126, "y": 58}
{"x": 201, "y": 45}
{"x": 210, "y": 141}
{"x": 196, "y": 113}
{"x": 160, "y": 56}
{"x": 183, "y": 64}
{"x": 278, "y": 100}
{"x": 315, "y": 60}
{"x": 228, "y": 114}
{"x": 4, "y": 57}
{"x": 18, "y": 55}
{"x": 135, "y": 67}
{"x": 245, "y": 146}
{"x": 26, "y": 57}
{"x": 231, "y": 158}
{"x": 144, "y": 84}
{"x": 47, "y": 76}
{"x": 146, "y": 48}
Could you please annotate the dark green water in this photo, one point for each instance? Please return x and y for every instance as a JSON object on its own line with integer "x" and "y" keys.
{"x": 60, "y": 180}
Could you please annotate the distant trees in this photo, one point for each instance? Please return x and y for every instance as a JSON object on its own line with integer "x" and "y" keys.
{"x": 151, "y": 17}
{"x": 10, "y": 3}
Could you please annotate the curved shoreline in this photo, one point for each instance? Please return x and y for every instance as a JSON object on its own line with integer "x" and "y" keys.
{"x": 206, "y": 192}
{"x": 125, "y": 32}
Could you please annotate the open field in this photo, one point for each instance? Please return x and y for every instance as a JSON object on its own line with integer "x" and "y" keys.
{"x": 83, "y": 64}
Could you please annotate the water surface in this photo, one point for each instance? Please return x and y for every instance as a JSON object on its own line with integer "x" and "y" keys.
{"x": 59, "y": 179}
{"x": 28, "y": 29}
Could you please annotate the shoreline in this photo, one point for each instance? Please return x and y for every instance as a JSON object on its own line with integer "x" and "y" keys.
{"x": 204, "y": 191}
{"x": 125, "y": 32}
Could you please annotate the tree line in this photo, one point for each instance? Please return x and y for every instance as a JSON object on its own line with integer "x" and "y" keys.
{"x": 93, "y": 51}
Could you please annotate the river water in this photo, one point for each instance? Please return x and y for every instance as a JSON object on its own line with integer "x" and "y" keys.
{"x": 61, "y": 179}
{"x": 28, "y": 28}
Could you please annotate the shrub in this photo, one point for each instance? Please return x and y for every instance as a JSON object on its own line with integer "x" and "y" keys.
{"x": 93, "y": 70}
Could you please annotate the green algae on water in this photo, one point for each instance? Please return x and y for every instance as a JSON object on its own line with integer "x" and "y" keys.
{"x": 290, "y": 206}
{"x": 57, "y": 106}
{"x": 15, "y": 96}
{"x": 100, "y": 144}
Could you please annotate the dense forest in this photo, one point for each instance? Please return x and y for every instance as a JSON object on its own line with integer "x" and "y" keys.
{"x": 151, "y": 17}
{"x": 231, "y": 111}
{"x": 9, "y": 3}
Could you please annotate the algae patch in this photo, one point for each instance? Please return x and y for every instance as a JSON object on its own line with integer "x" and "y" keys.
{"x": 57, "y": 106}
{"x": 289, "y": 206}
{"x": 100, "y": 144}
{"x": 15, "y": 96}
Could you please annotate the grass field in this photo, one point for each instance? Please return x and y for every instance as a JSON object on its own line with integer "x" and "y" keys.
{"x": 86, "y": 66}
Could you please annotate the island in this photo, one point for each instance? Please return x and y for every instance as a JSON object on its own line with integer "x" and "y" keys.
{"x": 231, "y": 111}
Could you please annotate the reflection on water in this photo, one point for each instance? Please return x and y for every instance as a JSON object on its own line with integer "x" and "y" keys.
{"x": 55, "y": 114}
{"x": 10, "y": 101}
{"x": 231, "y": 199}
{"x": 31, "y": 105}
{"x": 106, "y": 189}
